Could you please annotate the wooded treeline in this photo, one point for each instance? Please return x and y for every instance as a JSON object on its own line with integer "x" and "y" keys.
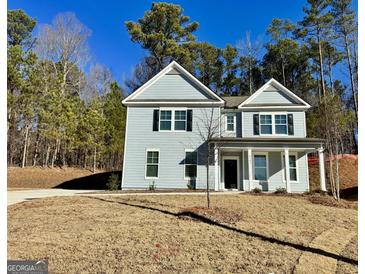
{"x": 59, "y": 114}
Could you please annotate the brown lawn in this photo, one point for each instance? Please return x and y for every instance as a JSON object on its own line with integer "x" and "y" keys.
{"x": 149, "y": 234}
{"x": 36, "y": 177}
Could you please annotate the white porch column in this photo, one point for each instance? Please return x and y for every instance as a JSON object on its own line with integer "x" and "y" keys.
{"x": 322, "y": 177}
{"x": 287, "y": 173}
{"x": 243, "y": 170}
{"x": 216, "y": 169}
{"x": 249, "y": 156}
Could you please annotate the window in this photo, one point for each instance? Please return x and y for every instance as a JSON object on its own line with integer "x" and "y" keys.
{"x": 230, "y": 122}
{"x": 191, "y": 161}
{"x": 292, "y": 167}
{"x": 152, "y": 164}
{"x": 260, "y": 163}
{"x": 180, "y": 120}
{"x": 165, "y": 120}
{"x": 265, "y": 124}
{"x": 281, "y": 125}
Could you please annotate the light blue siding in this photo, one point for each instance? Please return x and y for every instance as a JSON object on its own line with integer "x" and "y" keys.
{"x": 172, "y": 145}
{"x": 298, "y": 121}
{"x": 173, "y": 86}
{"x": 272, "y": 96}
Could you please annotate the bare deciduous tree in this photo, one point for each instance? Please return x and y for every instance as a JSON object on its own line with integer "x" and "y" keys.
{"x": 208, "y": 127}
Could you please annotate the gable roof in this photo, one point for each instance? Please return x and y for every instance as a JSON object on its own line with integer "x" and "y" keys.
{"x": 173, "y": 68}
{"x": 300, "y": 103}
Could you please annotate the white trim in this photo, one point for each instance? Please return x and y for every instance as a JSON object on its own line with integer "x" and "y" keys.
{"x": 250, "y": 171}
{"x": 307, "y": 171}
{"x": 216, "y": 168}
{"x": 275, "y": 107}
{"x": 182, "y": 103}
{"x": 125, "y": 146}
{"x": 237, "y": 158}
{"x": 243, "y": 169}
{"x": 280, "y": 87}
{"x": 190, "y": 150}
{"x": 158, "y": 163}
{"x": 164, "y": 71}
{"x": 226, "y": 122}
{"x": 267, "y": 166}
{"x": 291, "y": 153}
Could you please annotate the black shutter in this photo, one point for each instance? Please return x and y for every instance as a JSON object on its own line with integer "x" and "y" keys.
{"x": 156, "y": 118}
{"x": 189, "y": 120}
{"x": 256, "y": 125}
{"x": 290, "y": 124}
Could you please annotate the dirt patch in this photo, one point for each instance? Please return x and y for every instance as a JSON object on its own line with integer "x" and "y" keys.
{"x": 348, "y": 174}
{"x": 350, "y": 251}
{"x": 216, "y": 214}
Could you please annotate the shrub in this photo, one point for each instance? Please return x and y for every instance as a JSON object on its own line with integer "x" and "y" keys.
{"x": 152, "y": 187}
{"x": 113, "y": 182}
{"x": 281, "y": 190}
{"x": 256, "y": 190}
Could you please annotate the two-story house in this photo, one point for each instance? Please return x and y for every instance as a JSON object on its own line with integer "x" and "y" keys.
{"x": 257, "y": 141}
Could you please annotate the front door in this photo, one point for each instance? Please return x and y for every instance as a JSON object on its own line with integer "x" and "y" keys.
{"x": 230, "y": 174}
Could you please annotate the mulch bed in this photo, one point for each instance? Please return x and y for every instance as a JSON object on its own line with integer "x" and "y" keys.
{"x": 327, "y": 200}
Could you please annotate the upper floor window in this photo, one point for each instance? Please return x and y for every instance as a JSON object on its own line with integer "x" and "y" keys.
{"x": 265, "y": 124}
{"x": 281, "y": 124}
{"x": 165, "y": 119}
{"x": 273, "y": 124}
{"x": 230, "y": 121}
{"x": 172, "y": 120}
{"x": 180, "y": 120}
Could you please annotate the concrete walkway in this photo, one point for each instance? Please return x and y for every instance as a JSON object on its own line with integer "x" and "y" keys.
{"x": 334, "y": 241}
{"x": 27, "y": 195}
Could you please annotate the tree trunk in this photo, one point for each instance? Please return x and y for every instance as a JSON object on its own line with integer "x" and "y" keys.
{"x": 47, "y": 155}
{"x": 283, "y": 70}
{"x": 94, "y": 166}
{"x": 55, "y": 153}
{"x": 208, "y": 194}
{"x": 36, "y": 150}
{"x": 321, "y": 66}
{"x": 25, "y": 146}
{"x": 349, "y": 63}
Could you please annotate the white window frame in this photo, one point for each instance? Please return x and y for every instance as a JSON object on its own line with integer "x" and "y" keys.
{"x": 173, "y": 119}
{"x": 273, "y": 130}
{"x": 197, "y": 159}
{"x": 186, "y": 120}
{"x": 254, "y": 167}
{"x": 228, "y": 114}
{"x": 287, "y": 126}
{"x": 158, "y": 163}
{"x": 272, "y": 123}
{"x": 283, "y": 166}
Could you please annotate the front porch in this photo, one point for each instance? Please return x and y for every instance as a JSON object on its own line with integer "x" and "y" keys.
{"x": 245, "y": 164}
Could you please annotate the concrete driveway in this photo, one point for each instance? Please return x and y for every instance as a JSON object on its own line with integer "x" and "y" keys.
{"x": 27, "y": 195}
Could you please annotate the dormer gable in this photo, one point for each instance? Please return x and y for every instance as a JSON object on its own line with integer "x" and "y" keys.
{"x": 274, "y": 95}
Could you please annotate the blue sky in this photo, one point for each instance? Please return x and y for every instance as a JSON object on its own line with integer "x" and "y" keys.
{"x": 110, "y": 43}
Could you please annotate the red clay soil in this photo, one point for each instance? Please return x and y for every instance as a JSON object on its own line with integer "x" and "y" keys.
{"x": 36, "y": 177}
{"x": 348, "y": 174}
